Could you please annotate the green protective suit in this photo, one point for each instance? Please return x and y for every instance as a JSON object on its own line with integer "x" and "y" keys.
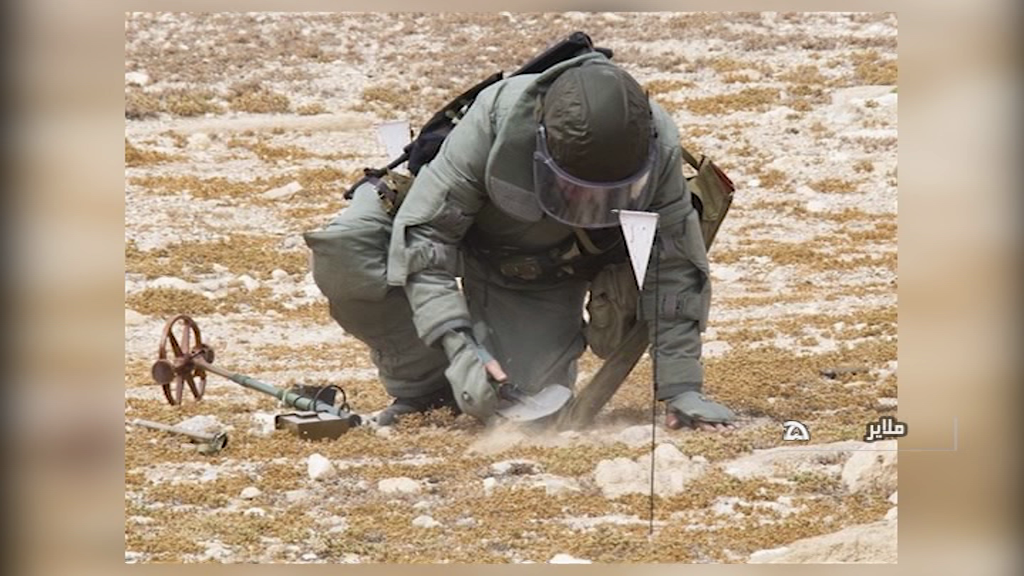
{"x": 475, "y": 200}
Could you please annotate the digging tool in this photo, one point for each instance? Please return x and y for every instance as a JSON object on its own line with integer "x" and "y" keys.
{"x": 209, "y": 443}
{"x": 186, "y": 360}
{"x": 517, "y": 406}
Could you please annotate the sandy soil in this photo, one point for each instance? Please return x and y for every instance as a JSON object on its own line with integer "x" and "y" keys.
{"x": 799, "y": 109}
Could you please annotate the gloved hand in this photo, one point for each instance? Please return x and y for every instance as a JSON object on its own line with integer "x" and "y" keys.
{"x": 691, "y": 408}
{"x": 473, "y": 373}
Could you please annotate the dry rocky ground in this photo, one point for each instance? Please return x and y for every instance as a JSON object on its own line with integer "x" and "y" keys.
{"x": 243, "y": 130}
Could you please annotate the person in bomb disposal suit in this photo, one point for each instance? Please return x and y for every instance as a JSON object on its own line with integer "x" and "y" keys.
{"x": 519, "y": 202}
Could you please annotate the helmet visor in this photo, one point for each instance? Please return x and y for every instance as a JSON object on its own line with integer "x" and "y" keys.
{"x": 583, "y": 203}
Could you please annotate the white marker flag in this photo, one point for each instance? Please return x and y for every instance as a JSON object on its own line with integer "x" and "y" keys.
{"x": 638, "y": 228}
{"x": 395, "y": 136}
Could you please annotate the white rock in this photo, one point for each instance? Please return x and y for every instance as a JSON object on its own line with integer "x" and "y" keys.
{"x": 672, "y": 472}
{"x": 133, "y": 318}
{"x": 172, "y": 283}
{"x": 872, "y": 467}
{"x": 219, "y": 268}
{"x": 278, "y": 274}
{"x": 785, "y": 461}
{"x": 489, "y": 485}
{"x": 399, "y": 485}
{"x": 893, "y": 497}
{"x": 556, "y": 485}
{"x": 384, "y": 431}
{"x": 892, "y": 513}
{"x": 425, "y": 522}
{"x": 283, "y": 192}
{"x": 861, "y": 543}
{"x": 320, "y": 468}
{"x": 133, "y": 557}
{"x": 250, "y": 493}
{"x": 567, "y": 559}
{"x": 136, "y": 78}
{"x": 201, "y": 424}
{"x": 765, "y": 556}
{"x": 199, "y": 141}
{"x": 421, "y": 505}
{"x": 309, "y": 556}
{"x": 247, "y": 282}
{"x": 515, "y": 468}
{"x": 258, "y": 512}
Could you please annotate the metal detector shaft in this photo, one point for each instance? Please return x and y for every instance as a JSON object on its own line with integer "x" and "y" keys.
{"x": 288, "y": 397}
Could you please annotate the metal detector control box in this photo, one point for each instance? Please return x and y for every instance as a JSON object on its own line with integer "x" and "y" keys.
{"x": 312, "y": 425}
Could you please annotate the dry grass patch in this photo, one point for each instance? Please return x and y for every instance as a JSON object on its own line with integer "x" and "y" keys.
{"x": 834, "y": 186}
{"x": 140, "y": 105}
{"x": 189, "y": 103}
{"x": 239, "y": 253}
{"x": 255, "y": 98}
{"x": 748, "y": 99}
{"x": 872, "y": 68}
{"x": 138, "y": 157}
{"x": 311, "y": 109}
{"x": 656, "y": 87}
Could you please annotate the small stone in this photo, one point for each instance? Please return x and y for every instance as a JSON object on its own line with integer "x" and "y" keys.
{"x": 283, "y": 192}
{"x": 425, "y": 522}
{"x": 400, "y": 485}
{"x": 257, "y": 512}
{"x": 172, "y": 283}
{"x": 421, "y": 505}
{"x": 466, "y": 522}
{"x": 320, "y": 468}
{"x": 567, "y": 559}
{"x": 250, "y": 493}
{"x": 515, "y": 468}
{"x": 247, "y": 282}
{"x": 137, "y": 78}
{"x": 892, "y": 513}
{"x": 309, "y": 556}
{"x": 199, "y": 141}
{"x": 384, "y": 431}
{"x": 278, "y": 274}
{"x": 201, "y": 424}
{"x": 765, "y": 556}
{"x": 556, "y": 485}
{"x": 489, "y": 485}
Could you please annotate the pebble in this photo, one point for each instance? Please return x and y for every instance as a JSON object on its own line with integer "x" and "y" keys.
{"x": 400, "y": 485}
{"x": 320, "y": 468}
{"x": 278, "y": 274}
{"x": 489, "y": 485}
{"x": 567, "y": 559}
{"x": 257, "y": 512}
{"x": 250, "y": 493}
{"x": 425, "y": 522}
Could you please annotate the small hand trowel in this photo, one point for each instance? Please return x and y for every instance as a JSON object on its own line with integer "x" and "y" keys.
{"x": 517, "y": 406}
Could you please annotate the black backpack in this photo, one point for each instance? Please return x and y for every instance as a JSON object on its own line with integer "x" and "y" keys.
{"x": 427, "y": 143}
